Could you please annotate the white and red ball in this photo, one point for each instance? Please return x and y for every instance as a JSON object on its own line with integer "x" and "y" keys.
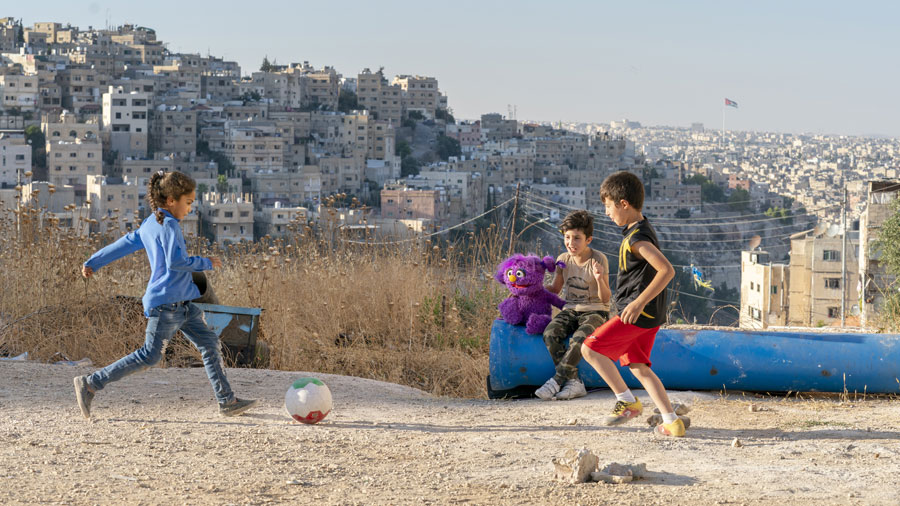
{"x": 308, "y": 400}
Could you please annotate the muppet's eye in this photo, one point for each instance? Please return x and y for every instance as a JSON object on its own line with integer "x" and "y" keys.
{"x": 520, "y": 273}
{"x": 509, "y": 272}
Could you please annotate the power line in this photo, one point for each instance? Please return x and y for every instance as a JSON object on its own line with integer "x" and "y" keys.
{"x": 442, "y": 231}
{"x": 679, "y": 223}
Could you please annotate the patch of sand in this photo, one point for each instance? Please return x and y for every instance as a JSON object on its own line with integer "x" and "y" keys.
{"x": 157, "y": 438}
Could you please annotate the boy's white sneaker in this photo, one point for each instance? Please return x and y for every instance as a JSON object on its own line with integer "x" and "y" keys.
{"x": 548, "y": 390}
{"x": 573, "y": 389}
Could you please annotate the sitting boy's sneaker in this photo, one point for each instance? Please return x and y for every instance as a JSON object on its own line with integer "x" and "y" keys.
{"x": 675, "y": 429}
{"x": 548, "y": 390}
{"x": 83, "y": 395}
{"x": 573, "y": 389}
{"x": 236, "y": 407}
{"x": 623, "y": 412}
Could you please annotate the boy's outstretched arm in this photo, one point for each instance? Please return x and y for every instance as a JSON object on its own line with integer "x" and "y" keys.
{"x": 664, "y": 273}
{"x": 125, "y": 245}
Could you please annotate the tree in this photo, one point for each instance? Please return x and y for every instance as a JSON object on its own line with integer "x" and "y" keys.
{"x": 409, "y": 166}
{"x": 415, "y": 115}
{"x": 888, "y": 243}
{"x": 447, "y": 147}
{"x": 266, "y": 66}
{"x": 739, "y": 200}
{"x": 402, "y": 149}
{"x": 683, "y": 213}
{"x": 347, "y": 101}
{"x": 35, "y": 137}
{"x": 222, "y": 184}
{"x": 444, "y": 114}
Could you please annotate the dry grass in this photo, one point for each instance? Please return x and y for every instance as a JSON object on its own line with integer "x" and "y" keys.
{"x": 415, "y": 314}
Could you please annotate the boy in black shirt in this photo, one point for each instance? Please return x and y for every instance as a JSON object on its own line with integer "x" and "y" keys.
{"x": 643, "y": 275}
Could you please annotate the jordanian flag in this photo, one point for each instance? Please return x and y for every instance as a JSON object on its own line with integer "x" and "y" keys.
{"x": 732, "y": 103}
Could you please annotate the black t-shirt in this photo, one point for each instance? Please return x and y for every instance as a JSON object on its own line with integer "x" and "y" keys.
{"x": 635, "y": 274}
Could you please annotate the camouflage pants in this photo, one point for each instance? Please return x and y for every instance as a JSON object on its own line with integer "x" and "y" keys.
{"x": 578, "y": 323}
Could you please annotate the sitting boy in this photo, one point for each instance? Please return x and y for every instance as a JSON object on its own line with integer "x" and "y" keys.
{"x": 586, "y": 280}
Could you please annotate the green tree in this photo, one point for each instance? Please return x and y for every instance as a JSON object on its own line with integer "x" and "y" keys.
{"x": 347, "y": 101}
{"x": 444, "y": 114}
{"x": 888, "y": 244}
{"x": 415, "y": 115}
{"x": 447, "y": 147}
{"x": 35, "y": 137}
{"x": 266, "y": 66}
{"x": 222, "y": 184}
{"x": 402, "y": 149}
{"x": 739, "y": 200}
{"x": 683, "y": 213}
{"x": 409, "y": 166}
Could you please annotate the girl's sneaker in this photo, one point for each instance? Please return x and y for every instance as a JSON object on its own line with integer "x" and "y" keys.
{"x": 236, "y": 407}
{"x": 674, "y": 429}
{"x": 623, "y": 412}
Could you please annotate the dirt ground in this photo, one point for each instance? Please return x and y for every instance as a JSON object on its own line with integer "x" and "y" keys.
{"x": 156, "y": 438}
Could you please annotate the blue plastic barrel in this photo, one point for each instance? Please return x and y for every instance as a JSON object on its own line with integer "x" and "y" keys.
{"x": 750, "y": 360}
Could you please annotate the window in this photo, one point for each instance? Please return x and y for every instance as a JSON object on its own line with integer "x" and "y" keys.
{"x": 831, "y": 255}
{"x": 229, "y": 214}
{"x": 751, "y": 285}
{"x": 834, "y": 312}
{"x": 774, "y": 289}
{"x": 832, "y": 282}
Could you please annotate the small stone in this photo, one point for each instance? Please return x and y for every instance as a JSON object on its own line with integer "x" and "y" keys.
{"x": 576, "y": 466}
{"x": 736, "y": 443}
{"x": 753, "y": 408}
{"x": 572, "y": 421}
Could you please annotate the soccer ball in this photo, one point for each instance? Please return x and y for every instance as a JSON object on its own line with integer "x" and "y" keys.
{"x": 308, "y": 400}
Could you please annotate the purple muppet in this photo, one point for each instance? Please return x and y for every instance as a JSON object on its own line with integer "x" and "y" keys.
{"x": 530, "y": 301}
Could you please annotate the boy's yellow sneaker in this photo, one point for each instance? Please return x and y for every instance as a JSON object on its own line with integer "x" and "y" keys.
{"x": 674, "y": 429}
{"x": 623, "y": 412}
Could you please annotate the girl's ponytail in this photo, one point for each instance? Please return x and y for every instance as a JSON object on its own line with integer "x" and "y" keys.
{"x": 163, "y": 185}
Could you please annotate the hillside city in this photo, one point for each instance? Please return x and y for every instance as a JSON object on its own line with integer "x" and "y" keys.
{"x": 88, "y": 115}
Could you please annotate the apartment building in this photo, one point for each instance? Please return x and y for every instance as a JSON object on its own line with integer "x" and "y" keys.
{"x": 468, "y": 134}
{"x": 173, "y": 129}
{"x": 125, "y": 120}
{"x": 381, "y": 140}
{"x": 70, "y": 162}
{"x": 15, "y": 158}
{"x": 10, "y": 29}
{"x": 383, "y": 101}
{"x": 495, "y": 127}
{"x": 420, "y": 93}
{"x": 398, "y": 201}
{"x": 114, "y": 204}
{"x": 226, "y": 219}
{"x": 764, "y": 291}
{"x": 876, "y": 279}
{"x": 571, "y": 196}
{"x": 277, "y": 221}
{"x": 19, "y": 91}
{"x": 252, "y": 147}
{"x": 816, "y": 282}
{"x": 465, "y": 190}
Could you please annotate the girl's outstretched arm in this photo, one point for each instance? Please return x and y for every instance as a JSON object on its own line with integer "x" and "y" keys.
{"x": 125, "y": 245}
{"x": 176, "y": 252}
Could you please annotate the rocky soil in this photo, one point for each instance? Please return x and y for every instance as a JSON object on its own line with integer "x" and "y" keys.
{"x": 156, "y": 438}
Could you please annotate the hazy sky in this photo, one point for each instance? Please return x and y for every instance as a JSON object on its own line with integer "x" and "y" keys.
{"x": 793, "y": 66}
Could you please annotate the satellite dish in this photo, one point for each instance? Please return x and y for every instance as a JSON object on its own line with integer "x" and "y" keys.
{"x": 833, "y": 230}
{"x": 754, "y": 242}
{"x": 820, "y": 228}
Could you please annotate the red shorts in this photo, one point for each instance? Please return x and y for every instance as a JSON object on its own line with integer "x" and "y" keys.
{"x": 629, "y": 344}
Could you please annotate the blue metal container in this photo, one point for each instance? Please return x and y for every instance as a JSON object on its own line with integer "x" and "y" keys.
{"x": 749, "y": 360}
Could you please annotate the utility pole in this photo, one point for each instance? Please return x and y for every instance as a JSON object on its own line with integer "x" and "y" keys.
{"x": 512, "y": 222}
{"x": 844, "y": 258}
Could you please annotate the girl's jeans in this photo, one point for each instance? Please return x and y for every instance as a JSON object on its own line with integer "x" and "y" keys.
{"x": 164, "y": 321}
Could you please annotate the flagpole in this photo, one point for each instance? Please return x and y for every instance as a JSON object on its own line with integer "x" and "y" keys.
{"x": 722, "y": 141}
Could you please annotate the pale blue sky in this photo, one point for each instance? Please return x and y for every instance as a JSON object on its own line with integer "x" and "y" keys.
{"x": 810, "y": 66}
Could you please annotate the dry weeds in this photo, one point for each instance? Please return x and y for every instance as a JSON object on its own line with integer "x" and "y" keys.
{"x": 415, "y": 313}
